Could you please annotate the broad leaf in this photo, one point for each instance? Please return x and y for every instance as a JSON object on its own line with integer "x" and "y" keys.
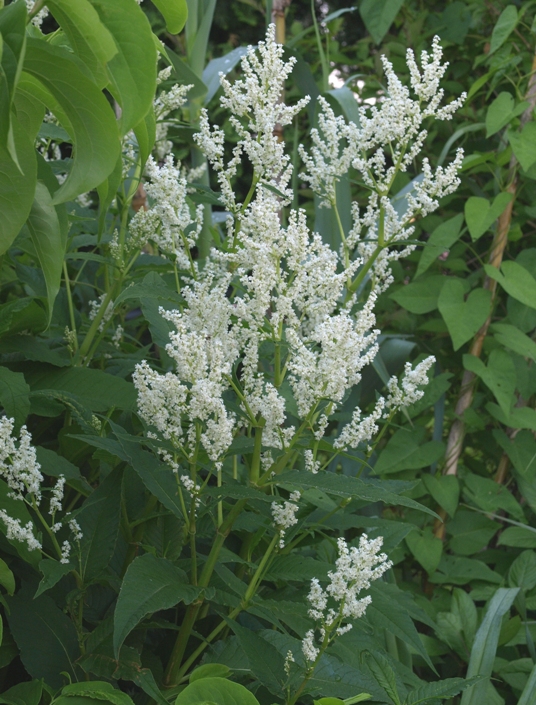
{"x": 523, "y": 145}
{"x": 150, "y": 584}
{"x": 499, "y": 375}
{"x": 13, "y": 43}
{"x": 133, "y": 68}
{"x": 515, "y": 280}
{"x": 378, "y": 16}
{"x": 45, "y": 636}
{"x": 522, "y": 572}
{"x": 99, "y": 522}
{"x": 215, "y": 690}
{"x": 480, "y": 214}
{"x": 175, "y": 13}
{"x": 86, "y": 114}
{"x": 518, "y": 537}
{"x": 265, "y": 661}
{"x": 426, "y": 549}
{"x": 88, "y": 36}
{"x": 439, "y": 689}
{"x": 514, "y": 339}
{"x": 442, "y": 239}
{"x": 420, "y": 296}
{"x": 501, "y": 112}
{"x": 463, "y": 318}
{"x": 504, "y": 26}
{"x": 445, "y": 490}
{"x": 405, "y": 452}
{"x": 23, "y": 694}
{"x": 14, "y": 395}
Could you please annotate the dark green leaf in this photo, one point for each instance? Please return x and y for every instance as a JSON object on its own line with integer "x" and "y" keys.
{"x": 53, "y": 572}
{"x": 46, "y": 637}
{"x": 426, "y": 549}
{"x": 420, "y": 296}
{"x": 439, "y": 690}
{"x": 518, "y": 537}
{"x": 404, "y": 452}
{"x": 7, "y": 579}
{"x": 503, "y": 28}
{"x": 85, "y": 112}
{"x": 265, "y": 661}
{"x": 14, "y": 395}
{"x": 23, "y": 694}
{"x": 99, "y": 522}
{"x": 219, "y": 691}
{"x": 445, "y": 490}
{"x": 378, "y": 16}
{"x": 515, "y": 280}
{"x": 501, "y": 112}
{"x": 443, "y": 237}
{"x": 522, "y": 572}
{"x": 150, "y": 584}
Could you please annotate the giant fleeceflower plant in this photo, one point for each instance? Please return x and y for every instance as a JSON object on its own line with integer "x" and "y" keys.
{"x": 273, "y": 334}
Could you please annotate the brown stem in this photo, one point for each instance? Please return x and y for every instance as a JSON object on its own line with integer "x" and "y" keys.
{"x": 465, "y": 398}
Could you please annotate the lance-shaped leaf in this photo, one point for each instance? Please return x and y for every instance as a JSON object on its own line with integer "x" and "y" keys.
{"x": 132, "y": 70}
{"x": 17, "y": 186}
{"x": 13, "y": 36}
{"x": 88, "y": 36}
{"x": 86, "y": 115}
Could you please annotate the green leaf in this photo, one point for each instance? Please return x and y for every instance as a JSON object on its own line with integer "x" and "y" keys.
{"x": 46, "y": 637}
{"x": 384, "y": 675}
{"x": 470, "y": 532}
{"x": 519, "y": 417}
{"x": 175, "y": 13}
{"x": 528, "y": 694}
{"x": 499, "y": 375}
{"x": 524, "y": 145}
{"x": 419, "y": 296}
{"x": 7, "y": 579}
{"x": 99, "y": 521}
{"x": 210, "y": 670}
{"x": 445, "y": 490}
{"x": 186, "y": 76}
{"x": 480, "y": 214}
{"x": 518, "y": 537}
{"x": 514, "y": 339}
{"x": 426, "y": 549}
{"x": 133, "y": 68}
{"x": 485, "y": 644}
{"x": 456, "y": 570}
{"x": 490, "y": 496}
{"x": 504, "y": 27}
{"x": 378, "y": 16}
{"x": 85, "y": 112}
{"x": 14, "y": 395}
{"x": 55, "y": 465}
{"x": 265, "y": 661}
{"x": 404, "y": 452}
{"x": 439, "y": 689}
{"x": 442, "y": 239}
{"x": 343, "y": 486}
{"x": 218, "y": 691}
{"x": 517, "y": 281}
{"x": 97, "y": 390}
{"x": 463, "y": 318}
{"x": 28, "y": 693}
{"x": 13, "y": 43}
{"x": 53, "y": 572}
{"x": 522, "y": 572}
{"x": 501, "y": 112}
{"x": 150, "y": 584}
{"x": 17, "y": 186}
{"x": 49, "y": 239}
{"x": 89, "y": 38}
{"x": 92, "y": 692}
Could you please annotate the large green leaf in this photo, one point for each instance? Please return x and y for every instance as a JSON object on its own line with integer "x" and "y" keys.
{"x": 405, "y": 451}
{"x": 265, "y": 661}
{"x": 14, "y": 395}
{"x": 175, "y": 13}
{"x": 438, "y": 689}
{"x": 516, "y": 280}
{"x": 133, "y": 69}
{"x": 420, "y": 296}
{"x": 501, "y": 112}
{"x": 88, "y": 36}
{"x": 503, "y": 28}
{"x": 46, "y": 637}
{"x": 150, "y": 584}
{"x": 524, "y": 145}
{"x": 49, "y": 240}
{"x": 28, "y": 693}
{"x": 343, "y": 486}
{"x": 485, "y": 644}
{"x": 514, "y": 339}
{"x": 499, "y": 375}
{"x": 378, "y": 16}
{"x": 480, "y": 214}
{"x": 17, "y": 186}
{"x": 463, "y": 318}
{"x": 443, "y": 237}
{"x": 13, "y": 43}
{"x": 99, "y": 522}
{"x": 216, "y": 690}
{"x": 87, "y": 116}
{"x": 95, "y": 692}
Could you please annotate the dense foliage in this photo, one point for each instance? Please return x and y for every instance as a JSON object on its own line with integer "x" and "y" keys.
{"x": 241, "y": 462}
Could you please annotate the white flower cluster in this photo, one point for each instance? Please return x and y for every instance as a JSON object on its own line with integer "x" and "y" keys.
{"x": 284, "y": 515}
{"x": 22, "y": 473}
{"x": 280, "y": 287}
{"x": 168, "y": 222}
{"x": 387, "y": 140}
{"x": 411, "y": 381}
{"x": 164, "y": 104}
{"x": 94, "y": 308}
{"x": 41, "y": 15}
{"x": 357, "y": 568}
{"x": 256, "y": 111}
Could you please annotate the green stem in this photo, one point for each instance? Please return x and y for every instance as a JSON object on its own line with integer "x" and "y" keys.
{"x": 255, "y": 469}
{"x": 174, "y": 664}
{"x": 70, "y": 304}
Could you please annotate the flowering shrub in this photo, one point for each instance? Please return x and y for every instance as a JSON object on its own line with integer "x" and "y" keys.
{"x": 197, "y": 509}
